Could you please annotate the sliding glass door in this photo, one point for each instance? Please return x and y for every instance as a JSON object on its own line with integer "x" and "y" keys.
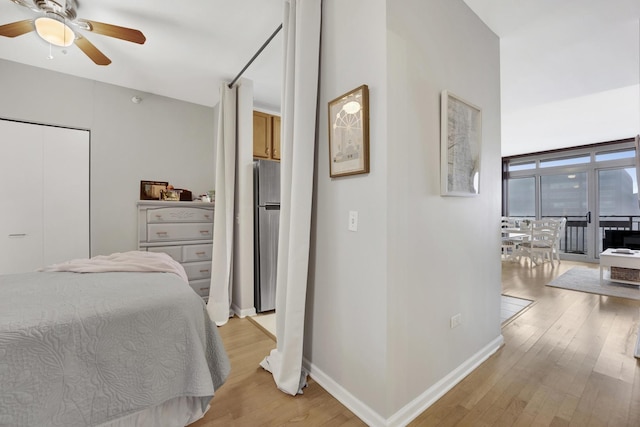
{"x": 567, "y": 195}
{"x": 593, "y": 187}
{"x": 617, "y": 202}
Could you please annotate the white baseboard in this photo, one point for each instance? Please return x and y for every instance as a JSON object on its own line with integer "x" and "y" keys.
{"x": 243, "y": 312}
{"x": 420, "y": 404}
{"x": 414, "y": 408}
{"x": 362, "y": 411}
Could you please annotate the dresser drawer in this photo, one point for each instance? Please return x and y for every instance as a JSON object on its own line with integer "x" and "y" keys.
{"x": 201, "y": 287}
{"x": 171, "y": 232}
{"x": 184, "y": 214}
{"x": 174, "y": 252}
{"x": 197, "y": 252}
{"x": 197, "y": 270}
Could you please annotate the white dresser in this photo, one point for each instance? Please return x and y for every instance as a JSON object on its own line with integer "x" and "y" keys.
{"x": 184, "y": 230}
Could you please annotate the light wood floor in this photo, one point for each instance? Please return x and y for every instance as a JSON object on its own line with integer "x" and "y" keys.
{"x": 250, "y": 397}
{"x": 567, "y": 361}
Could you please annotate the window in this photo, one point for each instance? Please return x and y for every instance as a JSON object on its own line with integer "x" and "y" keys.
{"x": 521, "y": 166}
{"x": 567, "y": 161}
{"x": 522, "y": 197}
{"x": 615, "y": 155}
{"x": 594, "y": 187}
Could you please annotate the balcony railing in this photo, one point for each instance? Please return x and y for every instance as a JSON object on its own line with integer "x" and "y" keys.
{"x": 575, "y": 237}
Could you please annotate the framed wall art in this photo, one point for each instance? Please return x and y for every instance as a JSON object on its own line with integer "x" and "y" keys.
{"x": 151, "y": 190}
{"x": 460, "y": 143}
{"x": 349, "y": 133}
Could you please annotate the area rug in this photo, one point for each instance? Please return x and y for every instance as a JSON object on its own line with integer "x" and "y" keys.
{"x": 588, "y": 280}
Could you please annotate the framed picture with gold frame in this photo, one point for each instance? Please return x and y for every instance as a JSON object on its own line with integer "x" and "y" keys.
{"x": 349, "y": 133}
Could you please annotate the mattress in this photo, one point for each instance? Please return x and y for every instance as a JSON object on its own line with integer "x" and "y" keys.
{"x": 88, "y": 349}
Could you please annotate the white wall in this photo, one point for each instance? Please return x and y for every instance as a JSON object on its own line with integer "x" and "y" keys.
{"x": 442, "y": 251}
{"x": 346, "y": 324}
{"x": 158, "y": 139}
{"x": 380, "y": 299}
{"x": 571, "y": 80}
{"x": 598, "y": 117}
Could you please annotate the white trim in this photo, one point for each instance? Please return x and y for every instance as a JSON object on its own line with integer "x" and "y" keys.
{"x": 241, "y": 313}
{"x": 414, "y": 408}
{"x": 362, "y": 411}
{"x": 418, "y": 405}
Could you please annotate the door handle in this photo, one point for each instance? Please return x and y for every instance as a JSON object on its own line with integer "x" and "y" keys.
{"x": 589, "y": 217}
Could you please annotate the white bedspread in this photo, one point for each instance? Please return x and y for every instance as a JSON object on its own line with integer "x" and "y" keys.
{"x": 123, "y": 261}
{"x": 86, "y": 349}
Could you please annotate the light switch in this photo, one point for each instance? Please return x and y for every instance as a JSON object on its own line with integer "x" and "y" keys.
{"x": 353, "y": 220}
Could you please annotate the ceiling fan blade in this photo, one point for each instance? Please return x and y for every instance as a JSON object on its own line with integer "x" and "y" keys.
{"x": 16, "y": 29}
{"x": 91, "y": 51}
{"x": 122, "y": 33}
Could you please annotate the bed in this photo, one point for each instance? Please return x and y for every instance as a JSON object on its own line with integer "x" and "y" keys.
{"x": 118, "y": 347}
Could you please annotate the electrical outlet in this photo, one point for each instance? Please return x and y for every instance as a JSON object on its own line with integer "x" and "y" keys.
{"x": 353, "y": 220}
{"x": 456, "y": 320}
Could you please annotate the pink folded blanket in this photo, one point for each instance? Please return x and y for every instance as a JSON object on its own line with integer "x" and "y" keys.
{"x": 123, "y": 261}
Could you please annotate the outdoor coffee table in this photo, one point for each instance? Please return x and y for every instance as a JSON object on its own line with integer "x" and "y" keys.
{"x": 625, "y": 262}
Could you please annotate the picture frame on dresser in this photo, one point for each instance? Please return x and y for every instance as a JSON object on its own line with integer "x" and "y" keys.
{"x": 152, "y": 190}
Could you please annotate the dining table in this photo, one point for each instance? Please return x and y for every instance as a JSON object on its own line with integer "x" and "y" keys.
{"x": 515, "y": 235}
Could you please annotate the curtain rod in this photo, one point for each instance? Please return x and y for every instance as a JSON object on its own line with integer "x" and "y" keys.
{"x": 255, "y": 56}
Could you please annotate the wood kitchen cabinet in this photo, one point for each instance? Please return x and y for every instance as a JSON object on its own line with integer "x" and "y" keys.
{"x": 266, "y": 136}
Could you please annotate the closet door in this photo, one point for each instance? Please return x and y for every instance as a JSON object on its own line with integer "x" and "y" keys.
{"x": 66, "y": 194}
{"x": 45, "y": 201}
{"x": 21, "y": 174}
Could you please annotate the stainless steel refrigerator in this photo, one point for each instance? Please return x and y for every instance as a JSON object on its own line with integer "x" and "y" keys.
{"x": 266, "y": 194}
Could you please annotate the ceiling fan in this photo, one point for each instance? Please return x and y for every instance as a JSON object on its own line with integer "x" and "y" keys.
{"x": 58, "y": 24}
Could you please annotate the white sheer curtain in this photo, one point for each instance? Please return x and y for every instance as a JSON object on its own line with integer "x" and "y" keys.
{"x": 301, "y": 25}
{"x": 637, "y": 141}
{"x": 222, "y": 262}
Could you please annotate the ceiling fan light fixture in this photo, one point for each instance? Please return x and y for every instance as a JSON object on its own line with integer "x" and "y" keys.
{"x": 54, "y": 31}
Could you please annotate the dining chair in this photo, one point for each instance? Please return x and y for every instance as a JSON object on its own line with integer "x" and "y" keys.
{"x": 540, "y": 241}
{"x": 510, "y": 244}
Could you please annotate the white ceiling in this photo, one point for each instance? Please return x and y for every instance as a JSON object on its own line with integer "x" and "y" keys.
{"x": 191, "y": 47}
{"x": 570, "y": 70}
{"x": 557, "y": 50}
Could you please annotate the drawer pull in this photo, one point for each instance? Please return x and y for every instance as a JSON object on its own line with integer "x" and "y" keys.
{"x": 204, "y": 289}
{"x": 161, "y": 233}
{"x": 204, "y": 271}
{"x": 158, "y": 216}
{"x": 204, "y": 231}
{"x": 200, "y": 253}
{"x": 18, "y": 235}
